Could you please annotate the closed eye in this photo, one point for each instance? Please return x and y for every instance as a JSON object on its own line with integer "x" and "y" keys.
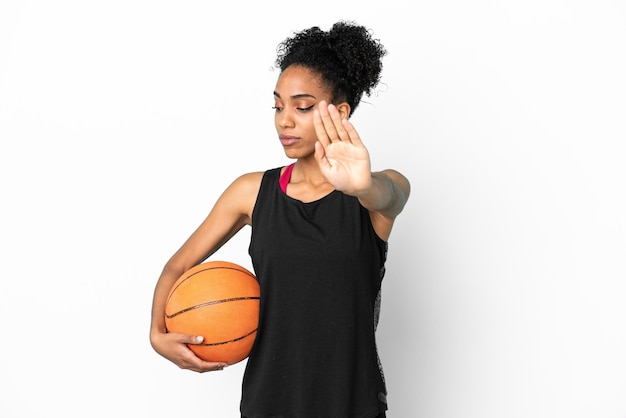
{"x": 305, "y": 109}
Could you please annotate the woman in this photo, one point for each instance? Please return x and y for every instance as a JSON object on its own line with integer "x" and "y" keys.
{"x": 319, "y": 241}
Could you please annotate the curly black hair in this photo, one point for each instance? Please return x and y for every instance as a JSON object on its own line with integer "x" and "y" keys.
{"x": 346, "y": 57}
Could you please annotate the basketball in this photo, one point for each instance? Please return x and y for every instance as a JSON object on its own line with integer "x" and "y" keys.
{"x": 218, "y": 300}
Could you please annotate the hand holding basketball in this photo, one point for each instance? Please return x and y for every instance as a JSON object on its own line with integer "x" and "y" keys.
{"x": 174, "y": 347}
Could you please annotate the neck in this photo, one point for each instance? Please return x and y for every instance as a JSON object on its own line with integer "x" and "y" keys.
{"x": 308, "y": 171}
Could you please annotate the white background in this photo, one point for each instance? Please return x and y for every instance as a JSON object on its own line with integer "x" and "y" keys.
{"x": 122, "y": 121}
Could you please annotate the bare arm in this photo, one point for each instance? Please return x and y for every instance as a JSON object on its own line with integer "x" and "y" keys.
{"x": 231, "y": 212}
{"x": 385, "y": 199}
{"x": 345, "y": 162}
{"x": 387, "y": 193}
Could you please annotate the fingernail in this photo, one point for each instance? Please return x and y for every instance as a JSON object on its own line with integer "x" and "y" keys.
{"x": 199, "y": 338}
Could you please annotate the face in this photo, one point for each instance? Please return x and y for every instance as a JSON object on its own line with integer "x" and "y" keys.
{"x": 297, "y": 93}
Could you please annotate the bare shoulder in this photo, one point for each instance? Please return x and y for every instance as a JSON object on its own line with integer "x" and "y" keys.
{"x": 252, "y": 179}
{"x": 240, "y": 196}
{"x": 245, "y": 186}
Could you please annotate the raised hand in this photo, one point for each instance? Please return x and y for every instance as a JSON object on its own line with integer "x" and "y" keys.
{"x": 342, "y": 157}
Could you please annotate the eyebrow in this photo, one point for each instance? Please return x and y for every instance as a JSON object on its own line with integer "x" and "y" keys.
{"x": 297, "y": 96}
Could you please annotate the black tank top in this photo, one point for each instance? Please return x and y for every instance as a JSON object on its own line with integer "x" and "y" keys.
{"x": 320, "y": 267}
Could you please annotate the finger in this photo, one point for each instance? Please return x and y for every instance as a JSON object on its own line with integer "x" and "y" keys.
{"x": 193, "y": 339}
{"x": 320, "y": 155}
{"x": 351, "y": 132}
{"x": 322, "y": 136}
{"x": 213, "y": 366}
{"x": 328, "y": 122}
{"x": 337, "y": 121}
{"x": 200, "y": 364}
{"x": 186, "y": 338}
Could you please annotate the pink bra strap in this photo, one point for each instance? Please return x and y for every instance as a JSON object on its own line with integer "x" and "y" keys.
{"x": 286, "y": 176}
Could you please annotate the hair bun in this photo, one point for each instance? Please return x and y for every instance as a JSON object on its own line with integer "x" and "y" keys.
{"x": 347, "y": 57}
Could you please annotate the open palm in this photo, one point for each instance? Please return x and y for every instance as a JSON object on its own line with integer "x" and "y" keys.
{"x": 342, "y": 157}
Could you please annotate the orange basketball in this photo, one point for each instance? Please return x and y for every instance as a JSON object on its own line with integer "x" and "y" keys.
{"x": 218, "y": 300}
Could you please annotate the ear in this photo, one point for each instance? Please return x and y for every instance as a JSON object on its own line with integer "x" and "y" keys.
{"x": 344, "y": 109}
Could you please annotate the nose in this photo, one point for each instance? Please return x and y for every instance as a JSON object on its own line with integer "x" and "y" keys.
{"x": 284, "y": 119}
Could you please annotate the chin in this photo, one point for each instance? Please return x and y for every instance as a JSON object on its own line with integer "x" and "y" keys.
{"x": 297, "y": 153}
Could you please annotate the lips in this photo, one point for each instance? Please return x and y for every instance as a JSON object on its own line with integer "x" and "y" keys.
{"x": 288, "y": 140}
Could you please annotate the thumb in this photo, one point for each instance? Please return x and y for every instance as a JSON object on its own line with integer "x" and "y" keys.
{"x": 195, "y": 339}
{"x": 320, "y": 154}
